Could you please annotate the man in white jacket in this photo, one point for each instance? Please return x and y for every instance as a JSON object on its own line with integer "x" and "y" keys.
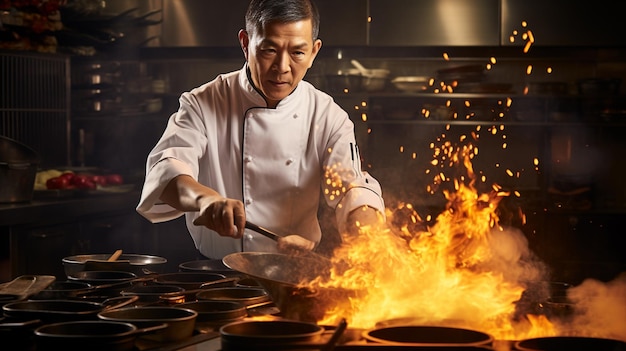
{"x": 259, "y": 144}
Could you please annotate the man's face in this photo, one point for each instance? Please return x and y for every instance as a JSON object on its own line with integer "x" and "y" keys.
{"x": 280, "y": 57}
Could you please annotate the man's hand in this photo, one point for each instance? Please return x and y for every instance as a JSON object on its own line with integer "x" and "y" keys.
{"x": 222, "y": 215}
{"x": 225, "y": 216}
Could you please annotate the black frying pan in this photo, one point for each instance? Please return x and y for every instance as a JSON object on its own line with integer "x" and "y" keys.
{"x": 52, "y": 311}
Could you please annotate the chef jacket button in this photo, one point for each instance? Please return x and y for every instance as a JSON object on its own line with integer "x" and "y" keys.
{"x": 248, "y": 201}
{"x": 248, "y": 158}
{"x": 289, "y": 161}
{"x": 295, "y": 116}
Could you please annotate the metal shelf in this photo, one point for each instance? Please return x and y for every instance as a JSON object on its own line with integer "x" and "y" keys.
{"x": 35, "y": 103}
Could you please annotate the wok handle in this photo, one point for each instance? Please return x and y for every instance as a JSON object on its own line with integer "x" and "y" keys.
{"x": 266, "y": 232}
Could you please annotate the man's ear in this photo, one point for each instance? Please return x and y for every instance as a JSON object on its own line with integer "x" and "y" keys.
{"x": 317, "y": 45}
{"x": 244, "y": 40}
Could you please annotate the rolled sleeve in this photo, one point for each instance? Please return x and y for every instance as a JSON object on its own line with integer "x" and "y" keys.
{"x": 157, "y": 178}
{"x": 365, "y": 191}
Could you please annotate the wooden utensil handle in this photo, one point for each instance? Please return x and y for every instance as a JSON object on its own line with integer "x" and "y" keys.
{"x": 262, "y": 231}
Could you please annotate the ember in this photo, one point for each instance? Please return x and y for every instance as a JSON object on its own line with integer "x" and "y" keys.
{"x": 464, "y": 269}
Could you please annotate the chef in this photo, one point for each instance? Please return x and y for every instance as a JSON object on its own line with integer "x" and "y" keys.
{"x": 260, "y": 144}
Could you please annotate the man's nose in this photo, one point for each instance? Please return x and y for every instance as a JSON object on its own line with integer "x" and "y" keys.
{"x": 282, "y": 62}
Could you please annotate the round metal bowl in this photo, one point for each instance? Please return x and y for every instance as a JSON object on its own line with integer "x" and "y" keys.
{"x": 344, "y": 83}
{"x": 135, "y": 263}
{"x": 411, "y": 84}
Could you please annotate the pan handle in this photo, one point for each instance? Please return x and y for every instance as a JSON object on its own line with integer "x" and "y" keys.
{"x": 263, "y": 231}
{"x": 150, "y": 329}
{"x": 118, "y": 301}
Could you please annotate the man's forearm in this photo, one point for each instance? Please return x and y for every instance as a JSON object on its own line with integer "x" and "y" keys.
{"x": 185, "y": 194}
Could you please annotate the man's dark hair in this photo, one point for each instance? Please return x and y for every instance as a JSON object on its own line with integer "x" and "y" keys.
{"x": 262, "y": 12}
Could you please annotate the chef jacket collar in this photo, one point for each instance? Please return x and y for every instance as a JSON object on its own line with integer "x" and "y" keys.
{"x": 248, "y": 84}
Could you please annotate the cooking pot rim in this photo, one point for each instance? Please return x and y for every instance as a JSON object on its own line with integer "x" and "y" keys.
{"x": 556, "y": 343}
{"x": 120, "y": 314}
{"x": 278, "y": 325}
{"x": 478, "y": 338}
{"x": 44, "y": 329}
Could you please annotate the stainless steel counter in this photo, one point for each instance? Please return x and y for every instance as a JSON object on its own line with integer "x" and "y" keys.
{"x": 66, "y": 207}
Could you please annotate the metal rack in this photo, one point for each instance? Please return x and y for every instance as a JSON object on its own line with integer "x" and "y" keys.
{"x": 35, "y": 103}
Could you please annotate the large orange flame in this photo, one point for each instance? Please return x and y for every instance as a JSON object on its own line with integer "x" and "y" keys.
{"x": 464, "y": 270}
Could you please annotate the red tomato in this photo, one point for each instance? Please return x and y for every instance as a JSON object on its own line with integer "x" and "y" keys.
{"x": 99, "y": 180}
{"x": 57, "y": 183}
{"x": 114, "y": 179}
{"x": 68, "y": 175}
{"x": 83, "y": 182}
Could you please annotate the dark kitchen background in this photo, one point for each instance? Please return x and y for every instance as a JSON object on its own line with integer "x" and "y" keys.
{"x": 541, "y": 83}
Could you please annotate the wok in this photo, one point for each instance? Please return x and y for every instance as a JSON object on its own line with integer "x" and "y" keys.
{"x": 285, "y": 278}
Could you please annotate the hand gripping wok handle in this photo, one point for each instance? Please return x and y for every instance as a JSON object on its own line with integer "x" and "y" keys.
{"x": 262, "y": 231}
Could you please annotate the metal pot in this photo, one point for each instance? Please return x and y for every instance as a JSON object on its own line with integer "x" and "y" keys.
{"x": 413, "y": 335}
{"x": 558, "y": 343}
{"x": 344, "y": 82}
{"x": 135, "y": 263}
{"x": 211, "y": 266}
{"x": 245, "y": 296}
{"x": 103, "y": 277}
{"x": 52, "y": 311}
{"x": 153, "y": 293}
{"x": 90, "y": 335}
{"x": 180, "y": 321}
{"x": 212, "y": 311}
{"x": 18, "y": 168}
{"x": 268, "y": 335}
{"x": 64, "y": 290}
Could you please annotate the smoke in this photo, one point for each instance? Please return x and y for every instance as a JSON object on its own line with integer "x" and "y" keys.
{"x": 599, "y": 308}
{"x": 511, "y": 256}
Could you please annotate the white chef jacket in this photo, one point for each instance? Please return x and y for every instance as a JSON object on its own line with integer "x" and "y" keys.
{"x": 276, "y": 160}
